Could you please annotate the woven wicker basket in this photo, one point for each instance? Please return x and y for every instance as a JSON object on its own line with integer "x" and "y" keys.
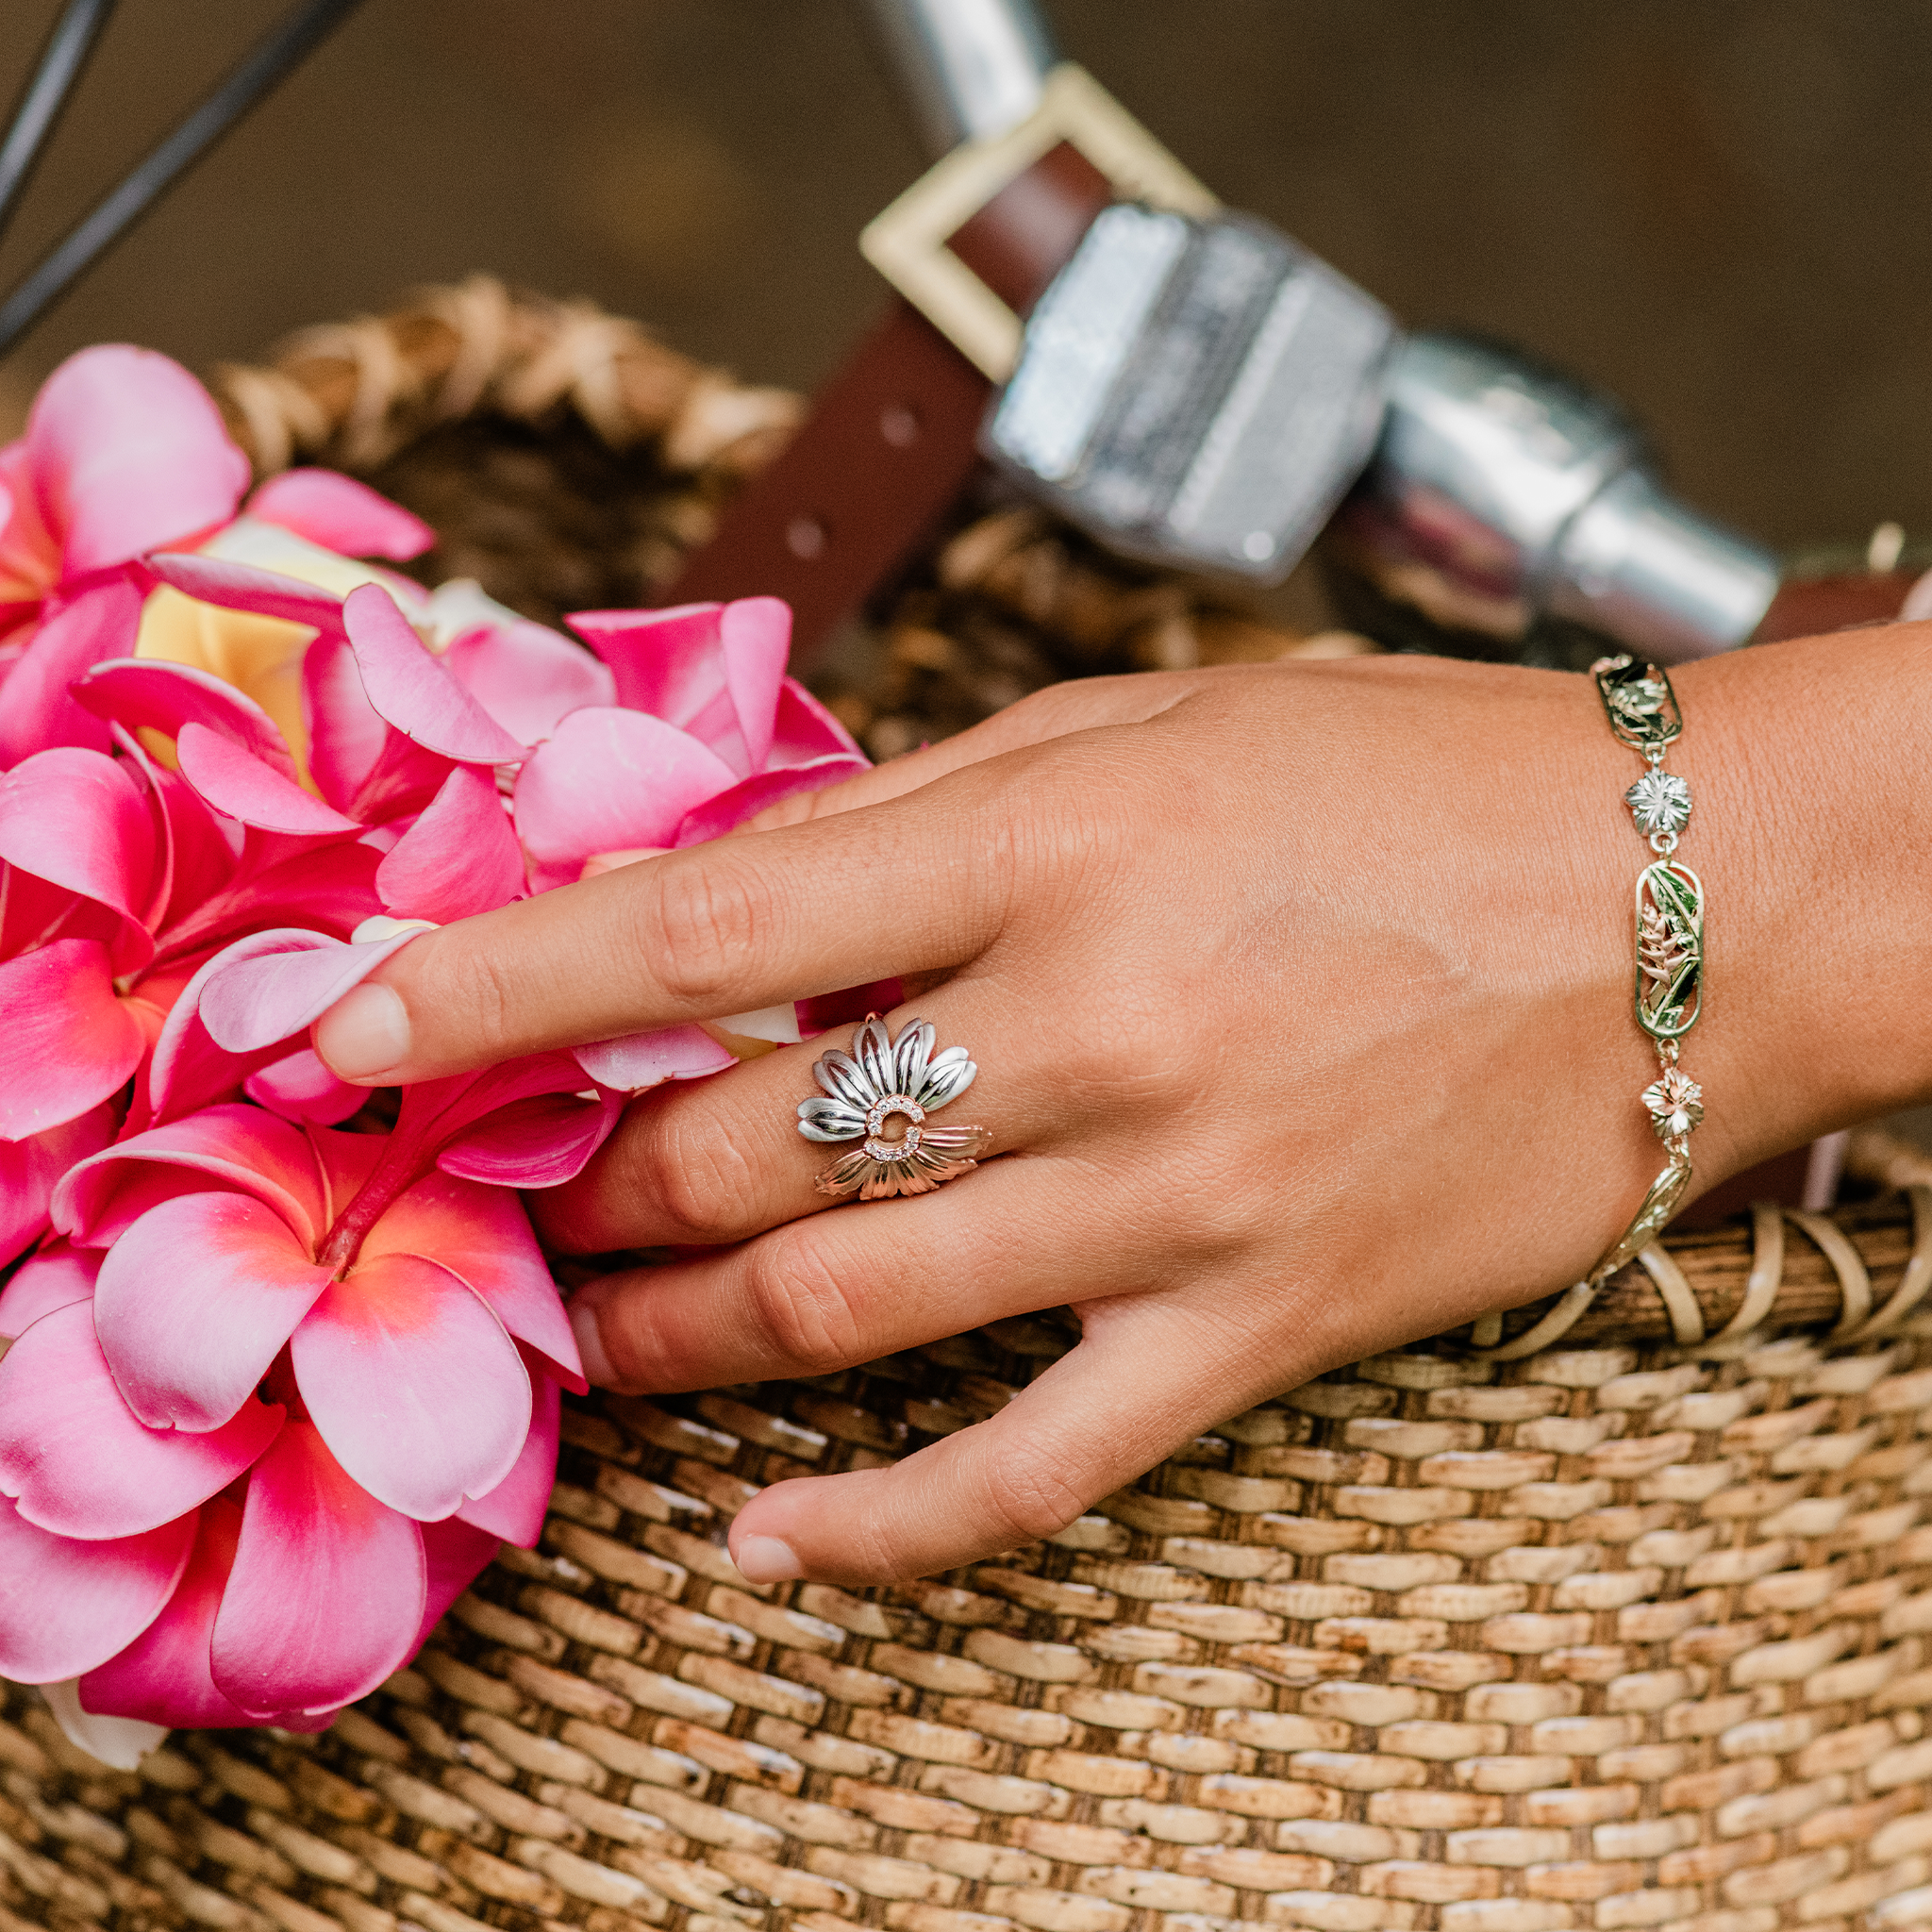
{"x": 1636, "y": 1631}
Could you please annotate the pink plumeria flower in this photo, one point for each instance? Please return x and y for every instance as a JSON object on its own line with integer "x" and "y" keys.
{"x": 126, "y": 453}
{"x": 706, "y": 731}
{"x": 118, "y": 883}
{"x": 268, "y": 1373}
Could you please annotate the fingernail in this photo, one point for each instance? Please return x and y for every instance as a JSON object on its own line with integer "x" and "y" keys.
{"x": 765, "y": 1560}
{"x": 365, "y": 1033}
{"x": 583, "y": 1325}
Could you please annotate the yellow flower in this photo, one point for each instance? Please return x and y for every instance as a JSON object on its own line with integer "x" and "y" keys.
{"x": 262, "y": 657}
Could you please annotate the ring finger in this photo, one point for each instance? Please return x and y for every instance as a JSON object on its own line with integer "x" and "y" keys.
{"x": 723, "y": 1160}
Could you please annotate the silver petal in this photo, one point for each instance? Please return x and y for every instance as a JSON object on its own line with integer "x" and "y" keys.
{"x": 948, "y": 1077}
{"x": 843, "y": 1078}
{"x": 910, "y": 1056}
{"x": 875, "y": 1049}
{"x": 829, "y": 1120}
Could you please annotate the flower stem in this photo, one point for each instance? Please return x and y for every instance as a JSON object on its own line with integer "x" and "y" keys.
{"x": 405, "y": 1159}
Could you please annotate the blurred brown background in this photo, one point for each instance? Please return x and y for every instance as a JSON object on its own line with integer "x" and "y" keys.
{"x": 1719, "y": 210}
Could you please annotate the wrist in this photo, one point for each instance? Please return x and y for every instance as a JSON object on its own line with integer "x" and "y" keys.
{"x": 1807, "y": 762}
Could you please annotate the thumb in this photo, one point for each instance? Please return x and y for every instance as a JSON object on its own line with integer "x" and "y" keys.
{"x": 1128, "y": 1396}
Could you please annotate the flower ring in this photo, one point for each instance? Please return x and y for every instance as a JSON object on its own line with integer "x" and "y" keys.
{"x": 878, "y": 1080}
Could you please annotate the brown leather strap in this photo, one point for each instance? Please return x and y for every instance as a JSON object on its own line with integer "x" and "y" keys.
{"x": 890, "y": 441}
{"x": 1809, "y": 606}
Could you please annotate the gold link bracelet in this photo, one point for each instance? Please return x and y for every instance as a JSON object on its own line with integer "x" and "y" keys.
{"x": 1643, "y": 709}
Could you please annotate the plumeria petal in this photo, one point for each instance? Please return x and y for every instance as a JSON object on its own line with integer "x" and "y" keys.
{"x": 29, "y": 552}
{"x": 39, "y": 712}
{"x": 67, "y": 1606}
{"x": 341, "y": 514}
{"x": 58, "y": 1277}
{"x": 666, "y": 662}
{"x": 80, "y": 820}
{"x": 411, "y": 690}
{"x": 413, "y": 1382}
{"x": 346, "y": 1160}
{"x": 239, "y": 1148}
{"x": 130, "y": 454}
{"x": 201, "y": 849}
{"x": 255, "y": 793}
{"x": 194, "y": 1303}
{"x": 610, "y": 780}
{"x": 78, "y": 1463}
{"x": 642, "y": 1059}
{"x": 729, "y": 809}
{"x": 30, "y": 1170}
{"x": 778, "y": 1025}
{"x": 301, "y": 1087}
{"x": 525, "y": 675}
{"x": 118, "y": 1743}
{"x": 460, "y": 857}
{"x": 235, "y": 584}
{"x": 330, "y": 889}
{"x": 821, "y": 1013}
{"x": 163, "y": 698}
{"x": 268, "y": 995}
{"x": 327, "y": 1589}
{"x": 280, "y": 551}
{"x": 538, "y": 1143}
{"x": 482, "y": 1235}
{"x": 345, "y": 737}
{"x": 804, "y": 730}
{"x": 68, "y": 1043}
{"x": 188, "y": 1070}
{"x": 32, "y": 911}
{"x": 515, "y": 1508}
{"x": 754, "y": 638}
{"x": 455, "y": 1554}
{"x": 162, "y": 1678}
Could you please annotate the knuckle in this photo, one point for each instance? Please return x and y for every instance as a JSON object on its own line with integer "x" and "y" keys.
{"x": 707, "y": 918}
{"x": 686, "y": 1172}
{"x": 476, "y": 984}
{"x": 1027, "y": 1492}
{"x": 800, "y": 1303}
{"x": 578, "y": 1218}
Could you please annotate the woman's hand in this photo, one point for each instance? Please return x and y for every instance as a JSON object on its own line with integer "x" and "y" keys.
{"x": 1301, "y": 1000}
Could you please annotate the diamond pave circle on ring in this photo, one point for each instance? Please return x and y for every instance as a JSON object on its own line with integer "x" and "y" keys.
{"x": 880, "y": 1080}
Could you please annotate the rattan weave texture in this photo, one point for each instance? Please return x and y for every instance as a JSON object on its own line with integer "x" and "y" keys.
{"x": 1627, "y": 1634}
{"x": 1608, "y": 1638}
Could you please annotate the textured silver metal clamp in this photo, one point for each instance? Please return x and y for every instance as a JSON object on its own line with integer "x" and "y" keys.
{"x": 1520, "y": 485}
{"x": 1196, "y": 391}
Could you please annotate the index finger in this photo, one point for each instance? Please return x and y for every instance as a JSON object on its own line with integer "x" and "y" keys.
{"x": 914, "y": 884}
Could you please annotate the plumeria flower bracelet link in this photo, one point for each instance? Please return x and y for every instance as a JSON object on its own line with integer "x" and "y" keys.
{"x": 881, "y": 1081}
{"x": 1643, "y": 713}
